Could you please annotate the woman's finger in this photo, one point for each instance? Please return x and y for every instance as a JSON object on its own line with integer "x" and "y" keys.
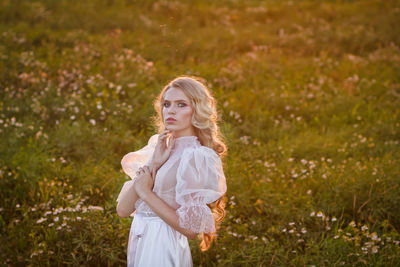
{"x": 165, "y": 135}
{"x": 163, "y": 140}
{"x": 146, "y": 169}
{"x": 139, "y": 171}
{"x": 165, "y": 132}
{"x": 171, "y": 142}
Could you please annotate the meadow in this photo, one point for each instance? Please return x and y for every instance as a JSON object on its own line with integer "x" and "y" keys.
{"x": 308, "y": 94}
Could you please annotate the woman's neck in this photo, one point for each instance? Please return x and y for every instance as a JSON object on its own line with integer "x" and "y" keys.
{"x": 188, "y": 132}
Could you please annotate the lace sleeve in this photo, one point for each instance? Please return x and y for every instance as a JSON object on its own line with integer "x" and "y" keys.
{"x": 132, "y": 161}
{"x": 200, "y": 181}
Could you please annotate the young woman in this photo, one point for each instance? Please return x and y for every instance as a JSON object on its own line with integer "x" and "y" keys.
{"x": 178, "y": 187}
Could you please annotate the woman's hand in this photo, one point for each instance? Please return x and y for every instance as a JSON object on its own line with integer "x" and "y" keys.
{"x": 144, "y": 183}
{"x": 162, "y": 151}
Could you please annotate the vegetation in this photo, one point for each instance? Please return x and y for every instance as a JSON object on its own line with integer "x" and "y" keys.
{"x": 308, "y": 93}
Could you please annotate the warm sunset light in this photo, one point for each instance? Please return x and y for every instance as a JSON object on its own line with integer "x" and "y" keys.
{"x": 282, "y": 146}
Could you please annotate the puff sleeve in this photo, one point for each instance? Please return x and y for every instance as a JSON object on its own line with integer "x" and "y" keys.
{"x": 200, "y": 181}
{"x": 132, "y": 161}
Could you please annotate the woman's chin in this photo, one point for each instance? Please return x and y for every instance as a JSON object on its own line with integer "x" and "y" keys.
{"x": 170, "y": 129}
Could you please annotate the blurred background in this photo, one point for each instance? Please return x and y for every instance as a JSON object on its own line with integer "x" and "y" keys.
{"x": 308, "y": 94}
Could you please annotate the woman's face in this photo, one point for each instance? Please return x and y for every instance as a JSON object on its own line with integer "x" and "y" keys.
{"x": 177, "y": 112}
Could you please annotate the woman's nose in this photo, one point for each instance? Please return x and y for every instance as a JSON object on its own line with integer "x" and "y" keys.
{"x": 171, "y": 110}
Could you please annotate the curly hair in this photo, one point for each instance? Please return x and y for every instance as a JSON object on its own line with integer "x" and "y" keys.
{"x": 204, "y": 121}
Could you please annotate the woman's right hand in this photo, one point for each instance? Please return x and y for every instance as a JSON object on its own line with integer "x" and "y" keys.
{"x": 162, "y": 151}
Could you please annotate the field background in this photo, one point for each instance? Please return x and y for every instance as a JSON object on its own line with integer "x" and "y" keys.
{"x": 309, "y": 97}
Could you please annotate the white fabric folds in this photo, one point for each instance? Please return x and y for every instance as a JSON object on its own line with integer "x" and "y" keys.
{"x": 200, "y": 181}
{"x": 152, "y": 242}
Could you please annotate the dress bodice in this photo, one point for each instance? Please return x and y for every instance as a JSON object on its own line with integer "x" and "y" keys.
{"x": 165, "y": 180}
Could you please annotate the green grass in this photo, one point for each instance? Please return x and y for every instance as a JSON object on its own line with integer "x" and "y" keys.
{"x": 308, "y": 93}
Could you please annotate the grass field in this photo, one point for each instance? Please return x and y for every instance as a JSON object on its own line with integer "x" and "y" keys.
{"x": 309, "y": 97}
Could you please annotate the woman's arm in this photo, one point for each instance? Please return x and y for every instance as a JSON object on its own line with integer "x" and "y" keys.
{"x": 126, "y": 204}
{"x": 143, "y": 185}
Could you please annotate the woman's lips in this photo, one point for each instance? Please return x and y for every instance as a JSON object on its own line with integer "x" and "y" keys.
{"x": 170, "y": 120}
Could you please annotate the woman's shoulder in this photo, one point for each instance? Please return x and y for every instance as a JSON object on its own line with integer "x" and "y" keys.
{"x": 200, "y": 152}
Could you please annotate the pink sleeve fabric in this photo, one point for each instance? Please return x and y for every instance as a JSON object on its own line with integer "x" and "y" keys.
{"x": 200, "y": 181}
{"x": 132, "y": 161}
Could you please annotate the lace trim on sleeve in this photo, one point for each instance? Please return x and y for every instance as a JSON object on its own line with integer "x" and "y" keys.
{"x": 197, "y": 218}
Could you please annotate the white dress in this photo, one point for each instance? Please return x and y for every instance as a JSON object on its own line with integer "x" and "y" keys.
{"x": 191, "y": 178}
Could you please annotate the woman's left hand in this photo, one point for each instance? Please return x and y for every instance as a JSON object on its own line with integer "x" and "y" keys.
{"x": 144, "y": 182}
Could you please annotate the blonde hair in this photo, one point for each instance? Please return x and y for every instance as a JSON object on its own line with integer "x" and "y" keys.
{"x": 204, "y": 121}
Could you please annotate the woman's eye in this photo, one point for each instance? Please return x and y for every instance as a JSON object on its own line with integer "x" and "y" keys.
{"x": 181, "y": 105}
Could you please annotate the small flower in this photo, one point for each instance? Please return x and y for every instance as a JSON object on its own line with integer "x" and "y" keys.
{"x": 374, "y": 236}
{"x": 41, "y": 220}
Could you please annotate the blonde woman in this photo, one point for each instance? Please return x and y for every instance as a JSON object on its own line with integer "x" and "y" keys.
{"x": 178, "y": 187}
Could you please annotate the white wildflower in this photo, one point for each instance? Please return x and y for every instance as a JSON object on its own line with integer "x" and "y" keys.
{"x": 41, "y": 220}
